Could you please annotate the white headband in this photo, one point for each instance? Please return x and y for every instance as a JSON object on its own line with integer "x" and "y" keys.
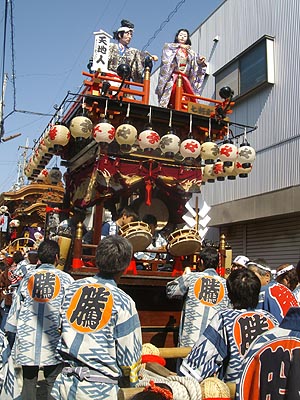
{"x": 284, "y": 270}
{"x": 125, "y": 29}
{"x": 259, "y": 266}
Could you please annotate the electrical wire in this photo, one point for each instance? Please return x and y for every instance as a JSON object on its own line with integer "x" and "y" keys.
{"x": 163, "y": 24}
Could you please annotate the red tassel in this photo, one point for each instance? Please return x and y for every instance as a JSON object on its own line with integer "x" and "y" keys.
{"x": 148, "y": 193}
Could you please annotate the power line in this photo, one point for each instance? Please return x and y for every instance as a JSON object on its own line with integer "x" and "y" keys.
{"x": 163, "y": 24}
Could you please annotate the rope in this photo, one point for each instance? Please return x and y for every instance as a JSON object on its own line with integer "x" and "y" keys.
{"x": 183, "y": 388}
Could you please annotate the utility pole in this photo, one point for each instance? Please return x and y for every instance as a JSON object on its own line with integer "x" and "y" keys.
{"x": 21, "y": 166}
{"x": 5, "y": 79}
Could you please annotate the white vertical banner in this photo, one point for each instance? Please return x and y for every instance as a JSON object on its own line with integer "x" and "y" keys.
{"x": 101, "y": 49}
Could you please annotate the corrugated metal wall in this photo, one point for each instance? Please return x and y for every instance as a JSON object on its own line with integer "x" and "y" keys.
{"x": 277, "y": 241}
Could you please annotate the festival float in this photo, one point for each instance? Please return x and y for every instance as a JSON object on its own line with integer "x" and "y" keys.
{"x": 119, "y": 150}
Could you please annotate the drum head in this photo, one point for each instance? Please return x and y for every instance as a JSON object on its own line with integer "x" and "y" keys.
{"x": 138, "y": 233}
{"x": 140, "y": 240}
{"x": 185, "y": 247}
{"x": 158, "y": 209}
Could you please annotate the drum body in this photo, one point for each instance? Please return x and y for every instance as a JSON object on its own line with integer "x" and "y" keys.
{"x": 184, "y": 242}
{"x": 138, "y": 233}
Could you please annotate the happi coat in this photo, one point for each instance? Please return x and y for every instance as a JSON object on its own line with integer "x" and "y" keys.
{"x": 271, "y": 367}
{"x": 277, "y": 299}
{"x": 9, "y": 388}
{"x": 34, "y": 315}
{"x": 224, "y": 343}
{"x": 204, "y": 294}
{"x": 101, "y": 337}
{"x": 194, "y": 72}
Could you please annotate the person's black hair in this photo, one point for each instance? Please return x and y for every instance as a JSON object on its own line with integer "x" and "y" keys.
{"x": 48, "y": 251}
{"x": 128, "y": 212}
{"x": 33, "y": 257}
{"x": 113, "y": 255}
{"x": 210, "y": 257}
{"x": 243, "y": 287}
{"x": 188, "y": 41}
{"x": 298, "y": 270}
{"x": 150, "y": 219}
{"x": 124, "y": 23}
{"x": 290, "y": 277}
{"x": 18, "y": 256}
{"x": 2, "y": 265}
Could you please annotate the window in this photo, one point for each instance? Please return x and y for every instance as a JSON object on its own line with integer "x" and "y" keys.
{"x": 250, "y": 70}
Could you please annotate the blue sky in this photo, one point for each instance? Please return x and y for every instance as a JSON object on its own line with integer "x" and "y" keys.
{"x": 53, "y": 41}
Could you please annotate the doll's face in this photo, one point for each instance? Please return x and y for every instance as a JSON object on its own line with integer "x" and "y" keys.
{"x": 126, "y": 38}
{"x": 182, "y": 37}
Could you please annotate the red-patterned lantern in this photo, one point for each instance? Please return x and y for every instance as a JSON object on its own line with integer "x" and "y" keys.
{"x": 228, "y": 153}
{"x": 149, "y": 140}
{"x": 43, "y": 175}
{"x": 218, "y": 170}
{"x": 59, "y": 136}
{"x": 190, "y": 149}
{"x": 242, "y": 171}
{"x": 104, "y": 132}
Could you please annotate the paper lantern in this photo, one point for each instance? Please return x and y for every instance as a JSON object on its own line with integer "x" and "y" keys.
{"x": 104, "y": 132}
{"x": 170, "y": 144}
{"x": 208, "y": 173}
{"x": 55, "y": 176}
{"x": 81, "y": 127}
{"x": 209, "y": 152}
{"x": 59, "y": 135}
{"x": 126, "y": 136}
{"x": 190, "y": 149}
{"x": 42, "y": 176}
{"x": 228, "y": 153}
{"x": 218, "y": 170}
{"x": 14, "y": 223}
{"x": 246, "y": 155}
{"x": 241, "y": 170}
{"x": 230, "y": 172}
{"x": 149, "y": 140}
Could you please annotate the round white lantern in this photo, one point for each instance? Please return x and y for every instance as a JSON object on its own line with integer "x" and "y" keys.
{"x": 209, "y": 152}
{"x": 104, "y": 132}
{"x": 241, "y": 170}
{"x": 229, "y": 171}
{"x": 14, "y": 223}
{"x": 59, "y": 135}
{"x": 208, "y": 173}
{"x": 149, "y": 140}
{"x": 42, "y": 176}
{"x": 170, "y": 144}
{"x": 218, "y": 170}
{"x": 81, "y": 127}
{"x": 55, "y": 175}
{"x": 228, "y": 153}
{"x": 190, "y": 149}
{"x": 126, "y": 136}
{"x": 246, "y": 155}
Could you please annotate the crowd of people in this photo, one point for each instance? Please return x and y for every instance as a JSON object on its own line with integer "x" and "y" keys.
{"x": 86, "y": 336}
